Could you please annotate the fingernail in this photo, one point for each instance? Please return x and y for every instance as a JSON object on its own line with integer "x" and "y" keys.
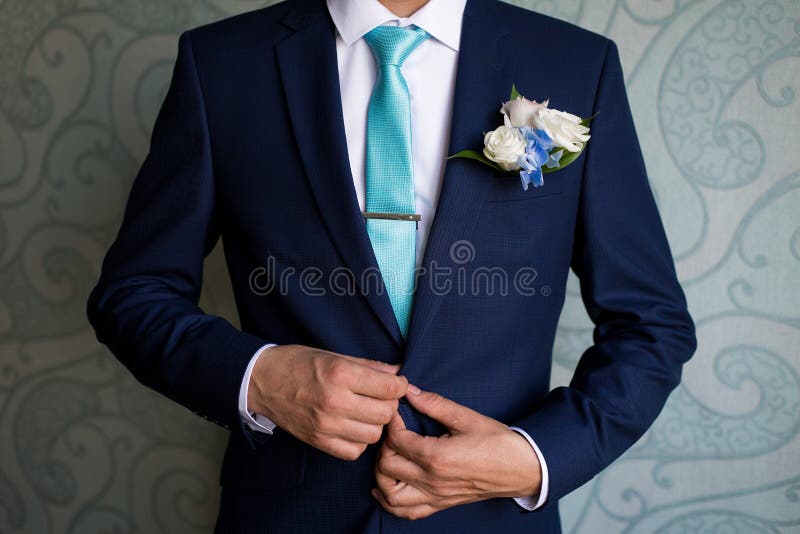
{"x": 414, "y": 389}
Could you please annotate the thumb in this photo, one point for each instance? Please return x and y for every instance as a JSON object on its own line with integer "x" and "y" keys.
{"x": 451, "y": 414}
{"x": 391, "y": 368}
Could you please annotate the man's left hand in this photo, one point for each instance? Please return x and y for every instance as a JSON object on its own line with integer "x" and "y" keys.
{"x": 479, "y": 458}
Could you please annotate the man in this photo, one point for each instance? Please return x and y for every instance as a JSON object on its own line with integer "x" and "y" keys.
{"x": 356, "y": 405}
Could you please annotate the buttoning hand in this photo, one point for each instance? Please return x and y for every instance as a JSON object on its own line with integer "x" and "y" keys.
{"x": 478, "y": 458}
{"x": 336, "y": 403}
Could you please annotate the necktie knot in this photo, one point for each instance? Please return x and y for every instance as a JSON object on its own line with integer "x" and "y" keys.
{"x": 391, "y": 45}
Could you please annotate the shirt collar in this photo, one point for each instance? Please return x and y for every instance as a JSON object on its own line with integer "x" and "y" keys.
{"x": 440, "y": 18}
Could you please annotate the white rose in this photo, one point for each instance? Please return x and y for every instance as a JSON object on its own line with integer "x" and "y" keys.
{"x": 504, "y": 146}
{"x": 520, "y": 111}
{"x": 565, "y": 129}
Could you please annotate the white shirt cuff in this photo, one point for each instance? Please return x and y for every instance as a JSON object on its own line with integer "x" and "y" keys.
{"x": 254, "y": 421}
{"x": 528, "y": 502}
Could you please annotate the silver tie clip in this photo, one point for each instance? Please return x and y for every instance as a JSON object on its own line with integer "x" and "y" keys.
{"x": 393, "y": 216}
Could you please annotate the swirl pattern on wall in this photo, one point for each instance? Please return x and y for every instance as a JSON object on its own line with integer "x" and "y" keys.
{"x": 713, "y": 86}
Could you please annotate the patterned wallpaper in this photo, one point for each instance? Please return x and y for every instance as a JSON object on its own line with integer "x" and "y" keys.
{"x": 713, "y": 85}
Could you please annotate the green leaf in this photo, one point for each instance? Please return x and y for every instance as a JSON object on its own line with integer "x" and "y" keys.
{"x": 514, "y": 93}
{"x": 477, "y": 156}
{"x": 587, "y": 120}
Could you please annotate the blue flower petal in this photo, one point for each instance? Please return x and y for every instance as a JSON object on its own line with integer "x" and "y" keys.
{"x": 538, "y": 178}
{"x": 542, "y": 139}
{"x": 538, "y": 143}
{"x": 525, "y": 178}
{"x": 523, "y": 163}
{"x": 541, "y": 155}
{"x": 555, "y": 158}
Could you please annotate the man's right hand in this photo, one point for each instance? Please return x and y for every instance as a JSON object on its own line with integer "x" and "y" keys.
{"x": 335, "y": 403}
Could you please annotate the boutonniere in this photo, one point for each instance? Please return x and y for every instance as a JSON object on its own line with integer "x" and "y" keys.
{"x": 534, "y": 140}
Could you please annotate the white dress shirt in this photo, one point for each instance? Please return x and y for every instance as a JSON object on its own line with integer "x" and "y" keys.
{"x": 430, "y": 73}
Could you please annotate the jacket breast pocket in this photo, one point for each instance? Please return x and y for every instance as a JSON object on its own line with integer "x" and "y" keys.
{"x": 276, "y": 463}
{"x": 508, "y": 188}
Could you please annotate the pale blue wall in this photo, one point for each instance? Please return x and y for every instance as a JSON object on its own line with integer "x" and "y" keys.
{"x": 713, "y": 87}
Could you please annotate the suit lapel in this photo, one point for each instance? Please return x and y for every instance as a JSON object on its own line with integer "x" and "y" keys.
{"x": 483, "y": 82}
{"x": 308, "y": 68}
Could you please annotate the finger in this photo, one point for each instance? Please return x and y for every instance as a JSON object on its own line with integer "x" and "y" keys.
{"x": 396, "y": 423}
{"x": 370, "y": 410}
{"x": 377, "y": 384}
{"x": 384, "y": 452}
{"x": 399, "y": 468}
{"x": 386, "y": 483}
{"x": 384, "y": 367}
{"x": 414, "y": 512}
{"x": 340, "y": 448}
{"x": 407, "y": 496}
{"x": 451, "y": 414}
{"x": 356, "y": 431}
{"x": 408, "y": 443}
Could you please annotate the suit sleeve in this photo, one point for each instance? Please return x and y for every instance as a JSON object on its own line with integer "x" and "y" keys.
{"x": 643, "y": 333}
{"x": 145, "y": 305}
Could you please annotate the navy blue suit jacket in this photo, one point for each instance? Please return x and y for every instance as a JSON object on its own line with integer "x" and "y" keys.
{"x": 250, "y": 146}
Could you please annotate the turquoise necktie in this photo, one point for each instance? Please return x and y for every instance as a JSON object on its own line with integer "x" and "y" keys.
{"x": 389, "y": 170}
